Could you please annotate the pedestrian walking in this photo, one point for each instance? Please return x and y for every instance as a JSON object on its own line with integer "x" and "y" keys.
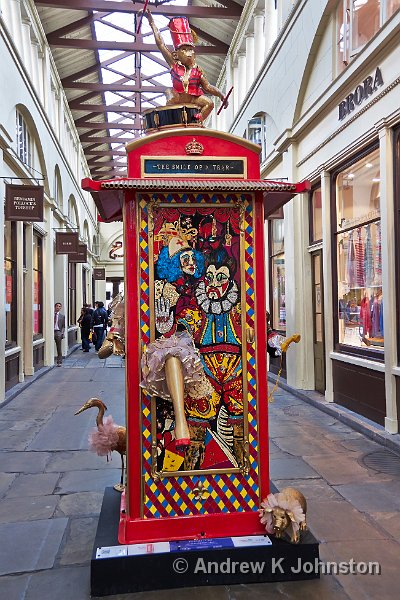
{"x": 86, "y": 324}
{"x": 59, "y": 330}
{"x": 99, "y": 323}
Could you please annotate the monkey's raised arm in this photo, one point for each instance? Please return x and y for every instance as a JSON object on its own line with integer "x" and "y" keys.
{"x": 167, "y": 54}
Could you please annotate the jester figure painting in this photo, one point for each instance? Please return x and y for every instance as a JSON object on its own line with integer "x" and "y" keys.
{"x": 197, "y": 289}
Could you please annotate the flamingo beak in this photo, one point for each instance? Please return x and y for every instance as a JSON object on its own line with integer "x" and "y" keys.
{"x": 84, "y": 407}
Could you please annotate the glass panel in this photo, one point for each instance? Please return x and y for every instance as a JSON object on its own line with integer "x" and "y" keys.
{"x": 37, "y": 285}
{"x": 316, "y": 204}
{"x": 392, "y": 6}
{"x": 359, "y": 254}
{"x": 278, "y": 238}
{"x": 358, "y": 192}
{"x": 360, "y": 286}
{"x": 278, "y": 293}
{"x": 365, "y": 22}
{"x": 10, "y": 291}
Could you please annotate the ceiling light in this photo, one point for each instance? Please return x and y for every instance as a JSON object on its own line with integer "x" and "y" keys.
{"x": 376, "y": 179}
{"x": 350, "y": 175}
{"x": 369, "y": 165}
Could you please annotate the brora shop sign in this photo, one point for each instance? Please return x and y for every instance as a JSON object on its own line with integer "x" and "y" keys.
{"x": 363, "y": 91}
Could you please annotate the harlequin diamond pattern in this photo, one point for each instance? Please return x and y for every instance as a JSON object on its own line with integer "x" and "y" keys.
{"x": 229, "y": 492}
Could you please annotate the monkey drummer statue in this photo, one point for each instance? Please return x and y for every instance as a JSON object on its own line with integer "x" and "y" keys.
{"x": 189, "y": 82}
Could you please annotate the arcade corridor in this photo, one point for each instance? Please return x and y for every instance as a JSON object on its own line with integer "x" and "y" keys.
{"x": 51, "y": 489}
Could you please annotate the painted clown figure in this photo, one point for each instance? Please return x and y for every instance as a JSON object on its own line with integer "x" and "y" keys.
{"x": 213, "y": 405}
{"x": 189, "y": 83}
{"x": 218, "y": 336}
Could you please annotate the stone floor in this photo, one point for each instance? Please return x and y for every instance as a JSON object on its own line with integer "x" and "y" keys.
{"x": 51, "y": 490}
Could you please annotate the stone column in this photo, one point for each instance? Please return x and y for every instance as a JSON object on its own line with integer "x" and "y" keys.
{"x": 48, "y": 288}
{"x": 259, "y": 41}
{"x": 241, "y": 78}
{"x": 249, "y": 61}
{"x": 271, "y": 23}
{"x": 327, "y": 271}
{"x": 229, "y": 83}
{"x": 235, "y": 89}
{"x": 388, "y": 225}
{"x": 299, "y": 358}
{"x": 16, "y": 25}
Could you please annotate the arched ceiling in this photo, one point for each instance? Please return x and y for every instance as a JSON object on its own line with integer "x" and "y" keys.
{"x": 111, "y": 74}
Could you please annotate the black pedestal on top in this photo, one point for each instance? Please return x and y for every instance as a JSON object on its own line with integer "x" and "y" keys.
{"x": 115, "y": 569}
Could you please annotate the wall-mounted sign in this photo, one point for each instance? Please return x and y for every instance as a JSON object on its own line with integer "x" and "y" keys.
{"x": 99, "y": 274}
{"x": 116, "y": 250}
{"x": 80, "y": 256}
{"x": 363, "y": 91}
{"x": 233, "y": 168}
{"x": 24, "y": 203}
{"x": 67, "y": 242}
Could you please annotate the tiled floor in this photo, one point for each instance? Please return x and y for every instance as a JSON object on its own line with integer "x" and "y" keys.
{"x": 51, "y": 489}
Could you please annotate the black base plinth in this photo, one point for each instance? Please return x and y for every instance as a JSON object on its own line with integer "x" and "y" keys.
{"x": 280, "y": 561}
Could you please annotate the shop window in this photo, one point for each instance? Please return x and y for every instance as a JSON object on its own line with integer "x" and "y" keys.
{"x": 391, "y": 7}
{"x": 37, "y": 286}
{"x": 10, "y": 276}
{"x": 72, "y": 316}
{"x": 357, "y": 23}
{"x": 24, "y": 141}
{"x": 256, "y": 133}
{"x": 316, "y": 216}
{"x": 359, "y": 255}
{"x": 277, "y": 282}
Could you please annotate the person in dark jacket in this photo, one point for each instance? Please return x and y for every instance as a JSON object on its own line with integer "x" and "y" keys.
{"x": 86, "y": 325}
{"x": 99, "y": 324}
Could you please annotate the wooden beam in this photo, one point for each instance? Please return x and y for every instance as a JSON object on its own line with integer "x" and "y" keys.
{"x": 100, "y": 108}
{"x": 208, "y": 12}
{"x": 113, "y": 87}
{"x": 134, "y": 46}
{"x": 107, "y": 125}
{"x": 100, "y": 141}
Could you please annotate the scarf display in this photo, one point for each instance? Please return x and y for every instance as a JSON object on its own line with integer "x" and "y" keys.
{"x": 360, "y": 259}
{"x": 369, "y": 258}
{"x": 351, "y": 261}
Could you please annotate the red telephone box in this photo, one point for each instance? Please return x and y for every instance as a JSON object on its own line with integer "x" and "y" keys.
{"x": 193, "y": 208}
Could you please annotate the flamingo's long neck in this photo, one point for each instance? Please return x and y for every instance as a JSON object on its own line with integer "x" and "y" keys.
{"x": 100, "y": 415}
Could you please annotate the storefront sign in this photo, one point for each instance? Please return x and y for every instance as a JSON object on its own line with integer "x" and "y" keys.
{"x": 116, "y": 250}
{"x": 99, "y": 274}
{"x": 200, "y": 167}
{"x": 67, "y": 242}
{"x": 363, "y": 91}
{"x": 80, "y": 256}
{"x": 24, "y": 203}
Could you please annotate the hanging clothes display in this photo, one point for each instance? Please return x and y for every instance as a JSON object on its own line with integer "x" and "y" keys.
{"x": 381, "y": 319}
{"x": 375, "y": 318}
{"x": 351, "y": 261}
{"x": 369, "y": 258}
{"x": 378, "y": 255}
{"x": 365, "y": 316}
{"x": 360, "y": 258}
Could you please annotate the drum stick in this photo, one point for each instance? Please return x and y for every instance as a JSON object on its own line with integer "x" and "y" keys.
{"x": 223, "y": 103}
{"x": 141, "y": 16}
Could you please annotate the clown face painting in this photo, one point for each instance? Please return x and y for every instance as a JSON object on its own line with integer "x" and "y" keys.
{"x": 203, "y": 270}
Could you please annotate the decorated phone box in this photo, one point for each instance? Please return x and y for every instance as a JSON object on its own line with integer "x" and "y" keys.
{"x": 193, "y": 208}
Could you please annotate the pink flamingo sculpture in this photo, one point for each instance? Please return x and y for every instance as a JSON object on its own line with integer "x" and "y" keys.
{"x": 107, "y": 437}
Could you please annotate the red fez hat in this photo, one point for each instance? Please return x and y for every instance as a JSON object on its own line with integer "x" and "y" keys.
{"x": 180, "y": 32}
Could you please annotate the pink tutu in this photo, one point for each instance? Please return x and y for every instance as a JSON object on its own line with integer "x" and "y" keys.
{"x": 153, "y": 363}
